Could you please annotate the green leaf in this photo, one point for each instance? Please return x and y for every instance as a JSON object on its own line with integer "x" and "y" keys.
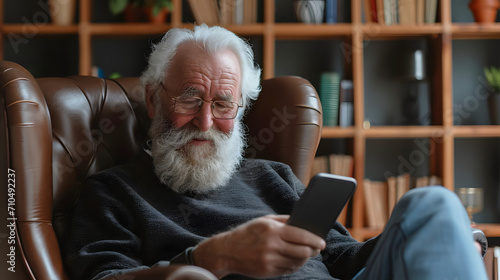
{"x": 492, "y": 75}
{"x": 117, "y": 6}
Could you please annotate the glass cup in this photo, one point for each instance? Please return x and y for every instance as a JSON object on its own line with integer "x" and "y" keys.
{"x": 472, "y": 199}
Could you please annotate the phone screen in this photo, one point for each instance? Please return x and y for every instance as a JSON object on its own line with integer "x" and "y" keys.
{"x": 321, "y": 203}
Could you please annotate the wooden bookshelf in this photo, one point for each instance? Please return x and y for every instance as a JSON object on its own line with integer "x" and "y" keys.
{"x": 354, "y": 34}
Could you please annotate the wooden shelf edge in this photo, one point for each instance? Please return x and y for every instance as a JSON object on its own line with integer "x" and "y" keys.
{"x": 475, "y": 31}
{"x": 490, "y": 230}
{"x": 307, "y": 31}
{"x": 337, "y": 132}
{"x": 152, "y": 29}
{"x": 471, "y": 131}
{"x": 124, "y": 29}
{"x": 41, "y": 29}
{"x": 431, "y": 131}
{"x": 377, "y": 31}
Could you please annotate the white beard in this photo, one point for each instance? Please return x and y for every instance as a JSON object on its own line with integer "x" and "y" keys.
{"x": 190, "y": 168}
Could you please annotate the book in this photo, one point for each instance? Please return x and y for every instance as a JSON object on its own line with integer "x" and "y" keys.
{"x": 329, "y": 97}
{"x": 380, "y": 11}
{"x": 331, "y": 11}
{"x": 249, "y": 11}
{"x": 419, "y": 12}
{"x": 346, "y": 105}
{"x": 430, "y": 11}
{"x": 390, "y": 12}
{"x": 320, "y": 164}
{"x": 205, "y": 11}
{"x": 402, "y": 185}
{"x": 375, "y": 193}
{"x": 391, "y": 193}
{"x": 407, "y": 12}
{"x": 226, "y": 11}
{"x": 238, "y": 12}
{"x": 341, "y": 165}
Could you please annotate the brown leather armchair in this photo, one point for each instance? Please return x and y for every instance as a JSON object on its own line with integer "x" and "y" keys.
{"x": 57, "y": 131}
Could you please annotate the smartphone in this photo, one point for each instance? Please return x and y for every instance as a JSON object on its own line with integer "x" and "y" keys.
{"x": 321, "y": 203}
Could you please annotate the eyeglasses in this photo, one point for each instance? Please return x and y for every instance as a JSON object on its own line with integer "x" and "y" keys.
{"x": 225, "y": 110}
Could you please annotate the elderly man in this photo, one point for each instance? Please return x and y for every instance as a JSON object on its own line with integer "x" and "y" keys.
{"x": 191, "y": 198}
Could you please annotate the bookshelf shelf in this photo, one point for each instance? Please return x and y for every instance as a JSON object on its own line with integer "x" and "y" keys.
{"x": 397, "y": 31}
{"x": 308, "y": 31}
{"x": 349, "y": 47}
{"x": 472, "y": 31}
{"x": 409, "y": 131}
{"x": 468, "y": 131}
{"x": 128, "y": 29}
{"x": 39, "y": 29}
{"x": 338, "y": 132}
{"x": 491, "y": 230}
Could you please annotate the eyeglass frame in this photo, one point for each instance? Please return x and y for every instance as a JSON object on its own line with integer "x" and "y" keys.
{"x": 201, "y": 105}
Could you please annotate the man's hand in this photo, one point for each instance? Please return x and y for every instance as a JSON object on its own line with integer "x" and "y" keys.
{"x": 263, "y": 247}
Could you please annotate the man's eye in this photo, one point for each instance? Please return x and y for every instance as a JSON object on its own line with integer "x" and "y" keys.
{"x": 190, "y": 102}
{"x": 223, "y": 105}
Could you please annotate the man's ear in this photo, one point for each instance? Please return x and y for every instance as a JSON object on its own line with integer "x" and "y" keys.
{"x": 150, "y": 104}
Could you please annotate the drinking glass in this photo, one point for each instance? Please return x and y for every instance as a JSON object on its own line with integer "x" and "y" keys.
{"x": 472, "y": 199}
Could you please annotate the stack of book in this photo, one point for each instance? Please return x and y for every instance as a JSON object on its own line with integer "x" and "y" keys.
{"x": 329, "y": 97}
{"x": 225, "y": 12}
{"x": 381, "y": 196}
{"x": 403, "y": 12}
{"x": 336, "y": 98}
{"x": 346, "y": 105}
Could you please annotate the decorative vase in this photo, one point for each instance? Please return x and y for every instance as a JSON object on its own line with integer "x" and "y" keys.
{"x": 494, "y": 108}
{"x": 62, "y": 12}
{"x": 484, "y": 11}
{"x": 309, "y": 11}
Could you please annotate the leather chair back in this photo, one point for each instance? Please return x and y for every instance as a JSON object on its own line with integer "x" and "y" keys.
{"x": 57, "y": 131}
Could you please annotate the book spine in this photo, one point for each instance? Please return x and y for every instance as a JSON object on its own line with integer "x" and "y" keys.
{"x": 331, "y": 11}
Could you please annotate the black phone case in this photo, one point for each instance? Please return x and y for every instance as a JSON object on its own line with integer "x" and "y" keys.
{"x": 321, "y": 203}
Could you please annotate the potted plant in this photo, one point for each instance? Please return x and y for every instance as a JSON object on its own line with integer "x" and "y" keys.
{"x": 155, "y": 11}
{"x": 484, "y": 11}
{"x": 493, "y": 77}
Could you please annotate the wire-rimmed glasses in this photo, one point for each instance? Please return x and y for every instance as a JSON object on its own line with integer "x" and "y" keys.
{"x": 221, "y": 109}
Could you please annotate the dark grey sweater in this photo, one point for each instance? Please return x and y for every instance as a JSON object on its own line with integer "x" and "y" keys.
{"x": 127, "y": 220}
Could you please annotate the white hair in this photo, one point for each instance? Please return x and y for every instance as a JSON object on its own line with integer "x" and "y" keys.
{"x": 210, "y": 39}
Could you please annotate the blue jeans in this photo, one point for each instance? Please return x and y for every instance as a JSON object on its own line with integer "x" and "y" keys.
{"x": 427, "y": 237}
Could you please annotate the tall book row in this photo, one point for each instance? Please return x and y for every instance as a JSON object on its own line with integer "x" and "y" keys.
{"x": 224, "y": 12}
{"x": 338, "y": 165}
{"x": 336, "y": 98}
{"x": 381, "y": 196}
{"x": 403, "y": 12}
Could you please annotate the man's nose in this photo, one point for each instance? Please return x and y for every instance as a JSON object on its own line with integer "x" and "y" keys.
{"x": 204, "y": 118}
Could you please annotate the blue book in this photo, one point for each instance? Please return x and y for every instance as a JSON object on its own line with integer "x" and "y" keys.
{"x": 331, "y": 11}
